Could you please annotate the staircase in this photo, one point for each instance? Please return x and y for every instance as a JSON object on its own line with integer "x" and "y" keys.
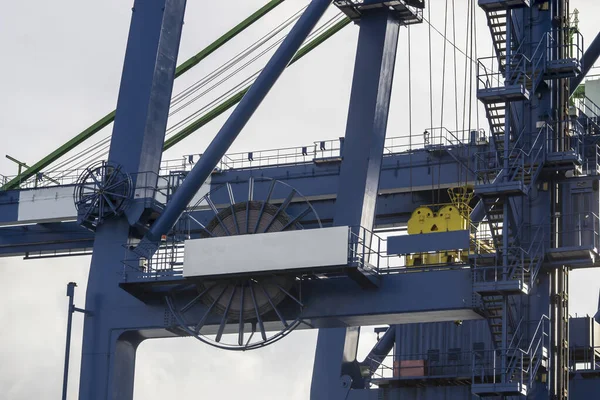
{"x": 524, "y": 359}
{"x": 496, "y": 20}
{"x": 493, "y": 306}
{"x": 504, "y": 175}
{"x": 496, "y": 115}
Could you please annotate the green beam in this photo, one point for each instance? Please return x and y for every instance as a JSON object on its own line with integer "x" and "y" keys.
{"x": 183, "y": 68}
{"x": 96, "y": 127}
{"x": 233, "y": 100}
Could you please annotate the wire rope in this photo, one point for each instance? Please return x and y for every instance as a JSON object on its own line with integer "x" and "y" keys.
{"x": 100, "y": 148}
{"x": 471, "y": 29}
{"x": 454, "y": 64}
{"x": 410, "y": 132}
{"x": 444, "y": 65}
{"x": 186, "y": 92}
{"x": 430, "y": 73}
{"x": 464, "y": 110}
{"x": 443, "y": 93}
{"x": 476, "y": 57}
{"x": 234, "y": 60}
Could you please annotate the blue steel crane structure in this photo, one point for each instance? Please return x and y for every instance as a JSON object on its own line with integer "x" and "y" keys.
{"x": 496, "y": 276}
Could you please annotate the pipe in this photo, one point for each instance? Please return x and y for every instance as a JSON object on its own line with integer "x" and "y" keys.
{"x": 233, "y": 126}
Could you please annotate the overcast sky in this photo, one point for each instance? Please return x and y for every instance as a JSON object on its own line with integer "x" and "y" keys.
{"x": 60, "y": 72}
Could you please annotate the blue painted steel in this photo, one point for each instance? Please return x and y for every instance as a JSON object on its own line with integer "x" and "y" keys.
{"x": 145, "y": 93}
{"x": 359, "y": 183}
{"x": 587, "y": 61}
{"x": 401, "y": 171}
{"x": 340, "y": 302}
{"x": 584, "y": 385}
{"x": 235, "y": 123}
{"x": 439, "y": 241}
{"x": 9, "y": 207}
{"x": 401, "y": 191}
{"x": 32, "y": 239}
{"x": 108, "y": 355}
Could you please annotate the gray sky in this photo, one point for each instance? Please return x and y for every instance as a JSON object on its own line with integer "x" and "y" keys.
{"x": 61, "y": 72}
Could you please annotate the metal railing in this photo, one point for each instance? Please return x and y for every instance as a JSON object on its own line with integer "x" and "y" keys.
{"x": 489, "y": 75}
{"x": 591, "y": 161}
{"x": 587, "y": 106}
{"x": 522, "y": 163}
{"x": 572, "y": 47}
{"x": 431, "y": 364}
{"x": 515, "y": 364}
{"x": 524, "y": 261}
{"x": 584, "y": 359}
{"x": 318, "y": 151}
{"x": 569, "y": 141}
{"x": 366, "y": 250}
{"x": 529, "y": 71}
{"x": 589, "y": 113}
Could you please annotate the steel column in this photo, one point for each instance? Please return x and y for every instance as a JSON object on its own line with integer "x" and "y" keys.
{"x": 336, "y": 368}
{"x": 108, "y": 355}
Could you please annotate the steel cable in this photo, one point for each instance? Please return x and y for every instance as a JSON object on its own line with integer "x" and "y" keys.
{"x": 100, "y": 148}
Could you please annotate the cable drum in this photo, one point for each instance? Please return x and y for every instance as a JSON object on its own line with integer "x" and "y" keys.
{"x": 270, "y": 288}
{"x": 255, "y": 308}
{"x": 102, "y": 191}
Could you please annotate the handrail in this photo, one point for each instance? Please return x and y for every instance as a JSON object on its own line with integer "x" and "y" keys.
{"x": 518, "y": 156}
{"x": 289, "y": 155}
{"x": 530, "y": 352}
{"x": 515, "y": 334}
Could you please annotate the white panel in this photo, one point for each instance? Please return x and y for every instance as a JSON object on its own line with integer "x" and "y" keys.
{"x": 47, "y": 204}
{"x": 275, "y": 251}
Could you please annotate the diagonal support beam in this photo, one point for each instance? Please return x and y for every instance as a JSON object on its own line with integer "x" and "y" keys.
{"x": 381, "y": 349}
{"x": 587, "y": 61}
{"x": 233, "y": 126}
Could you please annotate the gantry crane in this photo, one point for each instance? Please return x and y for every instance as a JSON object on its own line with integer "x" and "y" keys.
{"x": 238, "y": 256}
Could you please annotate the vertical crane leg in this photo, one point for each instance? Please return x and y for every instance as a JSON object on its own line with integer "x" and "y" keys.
{"x": 108, "y": 355}
{"x": 336, "y": 368}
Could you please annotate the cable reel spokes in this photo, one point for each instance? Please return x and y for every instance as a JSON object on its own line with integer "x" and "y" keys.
{"x": 103, "y": 190}
{"x": 251, "y": 310}
{"x": 239, "y": 314}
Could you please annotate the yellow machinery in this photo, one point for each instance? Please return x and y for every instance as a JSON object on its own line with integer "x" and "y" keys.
{"x": 444, "y": 218}
{"x": 423, "y": 221}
